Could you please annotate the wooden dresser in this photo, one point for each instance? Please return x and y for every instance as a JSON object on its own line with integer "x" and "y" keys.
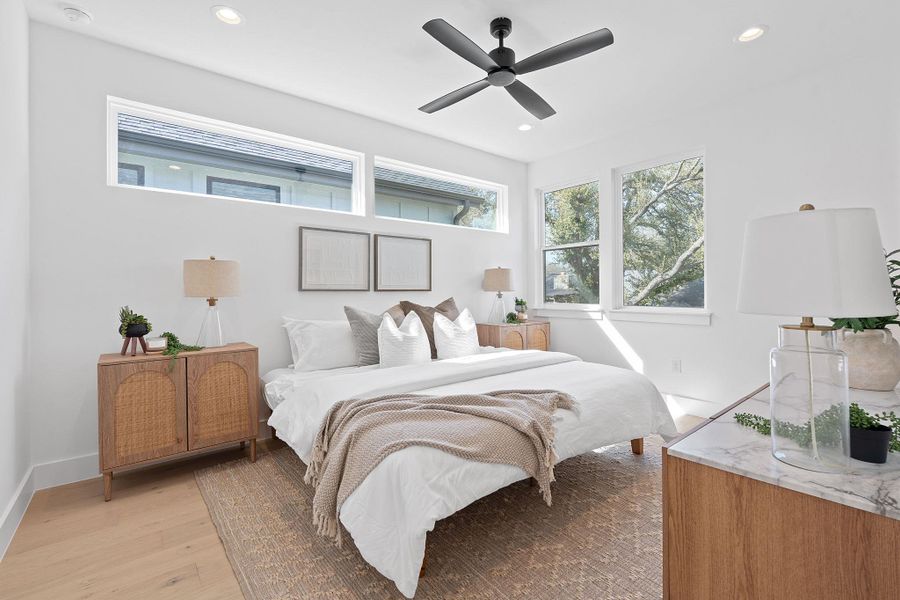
{"x": 152, "y": 408}
{"x": 530, "y": 335}
{"x": 737, "y": 523}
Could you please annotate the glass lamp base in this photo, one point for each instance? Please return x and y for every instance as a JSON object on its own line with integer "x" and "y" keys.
{"x": 809, "y": 400}
{"x": 498, "y": 311}
{"x": 211, "y": 329}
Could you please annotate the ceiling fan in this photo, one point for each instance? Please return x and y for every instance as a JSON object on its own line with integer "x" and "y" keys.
{"x": 501, "y": 66}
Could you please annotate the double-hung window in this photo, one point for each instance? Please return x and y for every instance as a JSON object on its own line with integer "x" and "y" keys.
{"x": 168, "y": 150}
{"x": 662, "y": 234}
{"x": 570, "y": 250}
{"x": 415, "y": 193}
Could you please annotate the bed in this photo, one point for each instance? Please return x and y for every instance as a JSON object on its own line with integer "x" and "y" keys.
{"x": 390, "y": 513}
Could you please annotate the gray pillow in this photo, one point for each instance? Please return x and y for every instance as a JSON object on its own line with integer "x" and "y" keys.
{"x": 364, "y": 327}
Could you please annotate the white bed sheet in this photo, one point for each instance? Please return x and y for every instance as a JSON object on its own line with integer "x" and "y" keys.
{"x": 391, "y": 512}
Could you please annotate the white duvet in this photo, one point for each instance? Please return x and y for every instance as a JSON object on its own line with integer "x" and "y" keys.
{"x": 390, "y": 513}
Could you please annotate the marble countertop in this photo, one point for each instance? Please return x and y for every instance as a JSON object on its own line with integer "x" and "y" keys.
{"x": 725, "y": 445}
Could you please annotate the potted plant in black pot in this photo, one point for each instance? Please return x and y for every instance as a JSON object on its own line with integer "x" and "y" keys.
{"x": 133, "y": 327}
{"x": 870, "y": 439}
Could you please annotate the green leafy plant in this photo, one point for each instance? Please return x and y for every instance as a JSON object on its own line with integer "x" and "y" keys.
{"x": 174, "y": 347}
{"x": 521, "y": 302}
{"x": 858, "y": 324}
{"x": 859, "y": 418}
{"x": 129, "y": 317}
{"x": 512, "y": 318}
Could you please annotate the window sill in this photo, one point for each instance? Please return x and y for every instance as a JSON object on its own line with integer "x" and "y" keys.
{"x": 450, "y": 225}
{"x": 590, "y": 313}
{"x": 667, "y": 316}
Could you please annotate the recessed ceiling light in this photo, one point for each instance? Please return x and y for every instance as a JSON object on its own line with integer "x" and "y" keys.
{"x": 175, "y": 167}
{"x": 752, "y": 33}
{"x": 524, "y": 127}
{"x": 76, "y": 15}
{"x": 227, "y": 15}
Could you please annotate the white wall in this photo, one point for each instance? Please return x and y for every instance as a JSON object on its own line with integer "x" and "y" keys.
{"x": 95, "y": 248}
{"x": 14, "y": 444}
{"x": 830, "y": 138}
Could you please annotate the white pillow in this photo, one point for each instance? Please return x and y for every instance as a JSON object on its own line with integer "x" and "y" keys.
{"x": 404, "y": 345}
{"x": 454, "y": 339}
{"x": 319, "y": 345}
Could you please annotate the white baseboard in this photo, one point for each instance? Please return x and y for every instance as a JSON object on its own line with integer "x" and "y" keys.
{"x": 51, "y": 474}
{"x": 15, "y": 510}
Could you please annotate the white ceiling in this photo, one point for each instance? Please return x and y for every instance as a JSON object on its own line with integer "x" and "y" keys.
{"x": 373, "y": 58}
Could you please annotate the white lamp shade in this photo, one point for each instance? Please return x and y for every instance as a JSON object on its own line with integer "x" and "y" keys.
{"x": 497, "y": 280}
{"x": 211, "y": 278}
{"x": 815, "y": 263}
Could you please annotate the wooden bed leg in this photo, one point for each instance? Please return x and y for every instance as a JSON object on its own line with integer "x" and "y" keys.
{"x": 424, "y": 564}
{"x": 637, "y": 445}
{"x": 272, "y": 431}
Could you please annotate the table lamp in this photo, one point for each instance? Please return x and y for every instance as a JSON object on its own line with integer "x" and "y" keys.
{"x": 497, "y": 280}
{"x": 816, "y": 263}
{"x": 211, "y": 279}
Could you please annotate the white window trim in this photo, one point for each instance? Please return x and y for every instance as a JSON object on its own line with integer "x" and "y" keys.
{"x": 654, "y": 314}
{"x": 116, "y": 105}
{"x": 588, "y": 311}
{"x": 501, "y": 190}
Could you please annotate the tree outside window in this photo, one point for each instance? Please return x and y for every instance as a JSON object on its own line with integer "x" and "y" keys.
{"x": 663, "y": 235}
{"x": 571, "y": 253}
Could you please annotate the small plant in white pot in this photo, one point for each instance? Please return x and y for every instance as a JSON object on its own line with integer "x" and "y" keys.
{"x": 873, "y": 355}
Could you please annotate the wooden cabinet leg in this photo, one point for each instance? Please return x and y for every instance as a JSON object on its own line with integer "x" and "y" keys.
{"x": 243, "y": 445}
{"x": 107, "y": 486}
{"x": 253, "y": 450}
{"x": 637, "y": 445}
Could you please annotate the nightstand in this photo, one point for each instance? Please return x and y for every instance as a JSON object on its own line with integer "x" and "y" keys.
{"x": 530, "y": 335}
{"x": 737, "y": 523}
{"x": 152, "y": 408}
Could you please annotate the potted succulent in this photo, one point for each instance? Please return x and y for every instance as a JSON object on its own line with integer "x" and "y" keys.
{"x": 133, "y": 327}
{"x": 870, "y": 439}
{"x": 873, "y": 355}
{"x": 521, "y": 309}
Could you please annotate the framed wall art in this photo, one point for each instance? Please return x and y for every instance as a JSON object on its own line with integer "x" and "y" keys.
{"x": 334, "y": 260}
{"x": 402, "y": 264}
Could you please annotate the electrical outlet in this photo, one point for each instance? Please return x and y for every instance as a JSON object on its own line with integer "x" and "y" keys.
{"x": 676, "y": 365}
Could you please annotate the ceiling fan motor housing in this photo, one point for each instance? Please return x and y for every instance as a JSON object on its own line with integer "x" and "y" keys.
{"x": 504, "y": 75}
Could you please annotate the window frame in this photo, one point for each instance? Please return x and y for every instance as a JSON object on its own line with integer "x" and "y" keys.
{"x": 115, "y": 105}
{"x": 540, "y": 230}
{"x": 502, "y": 191}
{"x": 662, "y": 314}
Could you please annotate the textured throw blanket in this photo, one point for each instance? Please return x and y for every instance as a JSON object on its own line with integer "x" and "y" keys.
{"x": 511, "y": 427}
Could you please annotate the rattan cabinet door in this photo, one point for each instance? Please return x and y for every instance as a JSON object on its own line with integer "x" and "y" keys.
{"x": 142, "y": 412}
{"x": 538, "y": 336}
{"x": 222, "y": 398}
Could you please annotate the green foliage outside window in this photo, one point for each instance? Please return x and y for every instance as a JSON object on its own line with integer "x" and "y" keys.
{"x": 572, "y": 273}
{"x": 662, "y": 235}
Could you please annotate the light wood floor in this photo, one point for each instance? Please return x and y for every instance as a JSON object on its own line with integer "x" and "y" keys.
{"x": 153, "y": 540}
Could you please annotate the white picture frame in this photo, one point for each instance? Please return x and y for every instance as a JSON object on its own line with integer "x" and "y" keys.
{"x": 402, "y": 264}
{"x": 334, "y": 260}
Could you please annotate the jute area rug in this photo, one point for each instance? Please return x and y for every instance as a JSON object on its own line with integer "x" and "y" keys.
{"x": 601, "y": 539}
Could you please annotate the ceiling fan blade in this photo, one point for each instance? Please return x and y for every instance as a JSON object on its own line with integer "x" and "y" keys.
{"x": 529, "y": 100}
{"x": 574, "y": 48}
{"x": 449, "y": 36}
{"x": 455, "y": 96}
